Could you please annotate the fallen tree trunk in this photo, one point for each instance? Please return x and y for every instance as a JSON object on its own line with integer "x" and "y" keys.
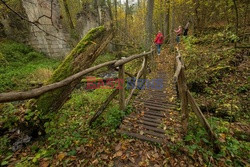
{"x": 35, "y": 93}
{"x": 80, "y": 58}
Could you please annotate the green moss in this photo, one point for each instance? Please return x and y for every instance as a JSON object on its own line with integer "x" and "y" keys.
{"x": 17, "y": 63}
{"x": 67, "y": 68}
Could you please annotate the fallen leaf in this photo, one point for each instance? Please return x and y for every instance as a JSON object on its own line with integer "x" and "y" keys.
{"x": 118, "y": 154}
{"x": 156, "y": 155}
{"x": 124, "y": 157}
{"x": 61, "y": 156}
{"x": 104, "y": 156}
{"x": 118, "y": 147}
{"x": 132, "y": 160}
{"x": 44, "y": 164}
{"x": 95, "y": 161}
{"x": 141, "y": 132}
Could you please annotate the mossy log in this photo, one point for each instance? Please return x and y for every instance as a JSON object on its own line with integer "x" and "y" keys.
{"x": 80, "y": 58}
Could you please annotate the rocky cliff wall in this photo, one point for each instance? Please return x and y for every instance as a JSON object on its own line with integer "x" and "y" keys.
{"x": 49, "y": 37}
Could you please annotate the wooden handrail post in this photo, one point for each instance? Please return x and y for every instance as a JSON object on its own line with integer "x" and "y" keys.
{"x": 145, "y": 68}
{"x": 121, "y": 87}
{"x": 182, "y": 87}
{"x": 104, "y": 106}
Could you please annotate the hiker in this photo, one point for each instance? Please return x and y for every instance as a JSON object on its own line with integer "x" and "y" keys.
{"x": 158, "y": 42}
{"x": 178, "y": 34}
{"x": 186, "y": 29}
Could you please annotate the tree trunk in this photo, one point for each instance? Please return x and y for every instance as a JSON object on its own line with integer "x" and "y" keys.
{"x": 80, "y": 58}
{"x": 197, "y": 23}
{"x": 115, "y": 3}
{"x": 126, "y": 15}
{"x": 149, "y": 23}
{"x": 171, "y": 24}
{"x": 237, "y": 20}
{"x": 110, "y": 10}
{"x": 65, "y": 4}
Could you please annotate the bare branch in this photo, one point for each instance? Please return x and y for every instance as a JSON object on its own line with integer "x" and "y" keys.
{"x": 35, "y": 23}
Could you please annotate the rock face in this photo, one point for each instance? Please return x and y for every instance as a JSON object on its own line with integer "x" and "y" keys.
{"x": 92, "y": 16}
{"x": 49, "y": 37}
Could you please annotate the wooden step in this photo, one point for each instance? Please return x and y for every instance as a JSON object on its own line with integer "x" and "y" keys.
{"x": 152, "y": 133}
{"x": 154, "y": 113}
{"x": 149, "y": 123}
{"x": 153, "y": 128}
{"x": 142, "y": 137}
{"x": 156, "y": 108}
{"x": 152, "y": 117}
{"x": 151, "y": 120}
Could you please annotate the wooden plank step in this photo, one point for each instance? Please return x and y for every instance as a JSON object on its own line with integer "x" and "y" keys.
{"x": 155, "y": 90}
{"x": 157, "y": 94}
{"x": 152, "y": 117}
{"x": 148, "y": 123}
{"x": 155, "y": 101}
{"x": 142, "y": 137}
{"x": 154, "y": 113}
{"x": 158, "y": 105}
{"x": 149, "y": 97}
{"x": 152, "y": 133}
{"x": 156, "y": 108}
{"x": 151, "y": 120}
{"x": 153, "y": 128}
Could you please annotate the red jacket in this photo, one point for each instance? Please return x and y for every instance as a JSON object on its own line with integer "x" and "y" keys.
{"x": 159, "y": 38}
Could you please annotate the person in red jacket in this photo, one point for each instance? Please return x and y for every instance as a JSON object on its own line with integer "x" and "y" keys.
{"x": 158, "y": 41}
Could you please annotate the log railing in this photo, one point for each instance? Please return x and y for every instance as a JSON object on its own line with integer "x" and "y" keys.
{"x": 123, "y": 102}
{"x": 35, "y": 93}
{"x": 187, "y": 98}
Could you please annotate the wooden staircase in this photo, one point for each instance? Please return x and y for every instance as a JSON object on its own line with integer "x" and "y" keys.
{"x": 152, "y": 107}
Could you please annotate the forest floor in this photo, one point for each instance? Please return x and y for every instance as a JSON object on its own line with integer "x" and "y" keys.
{"x": 211, "y": 73}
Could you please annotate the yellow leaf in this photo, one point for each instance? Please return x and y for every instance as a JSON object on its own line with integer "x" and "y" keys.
{"x": 118, "y": 154}
{"x": 61, "y": 156}
{"x": 141, "y": 132}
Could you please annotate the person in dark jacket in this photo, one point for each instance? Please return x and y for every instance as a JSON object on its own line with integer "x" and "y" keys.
{"x": 159, "y": 41}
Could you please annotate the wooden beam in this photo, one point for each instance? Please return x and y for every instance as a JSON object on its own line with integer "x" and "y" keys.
{"x": 128, "y": 59}
{"x": 34, "y": 93}
{"x": 128, "y": 74}
{"x": 136, "y": 81}
{"x": 121, "y": 87}
{"x": 145, "y": 68}
{"x": 104, "y": 106}
{"x": 200, "y": 115}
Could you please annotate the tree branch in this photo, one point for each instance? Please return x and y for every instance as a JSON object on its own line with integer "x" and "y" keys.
{"x": 35, "y": 23}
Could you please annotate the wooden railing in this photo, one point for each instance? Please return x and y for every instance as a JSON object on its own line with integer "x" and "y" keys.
{"x": 120, "y": 64}
{"x": 123, "y": 102}
{"x": 187, "y": 98}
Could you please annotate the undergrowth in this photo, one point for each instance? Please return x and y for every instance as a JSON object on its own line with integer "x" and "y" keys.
{"x": 216, "y": 76}
{"x": 17, "y": 64}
